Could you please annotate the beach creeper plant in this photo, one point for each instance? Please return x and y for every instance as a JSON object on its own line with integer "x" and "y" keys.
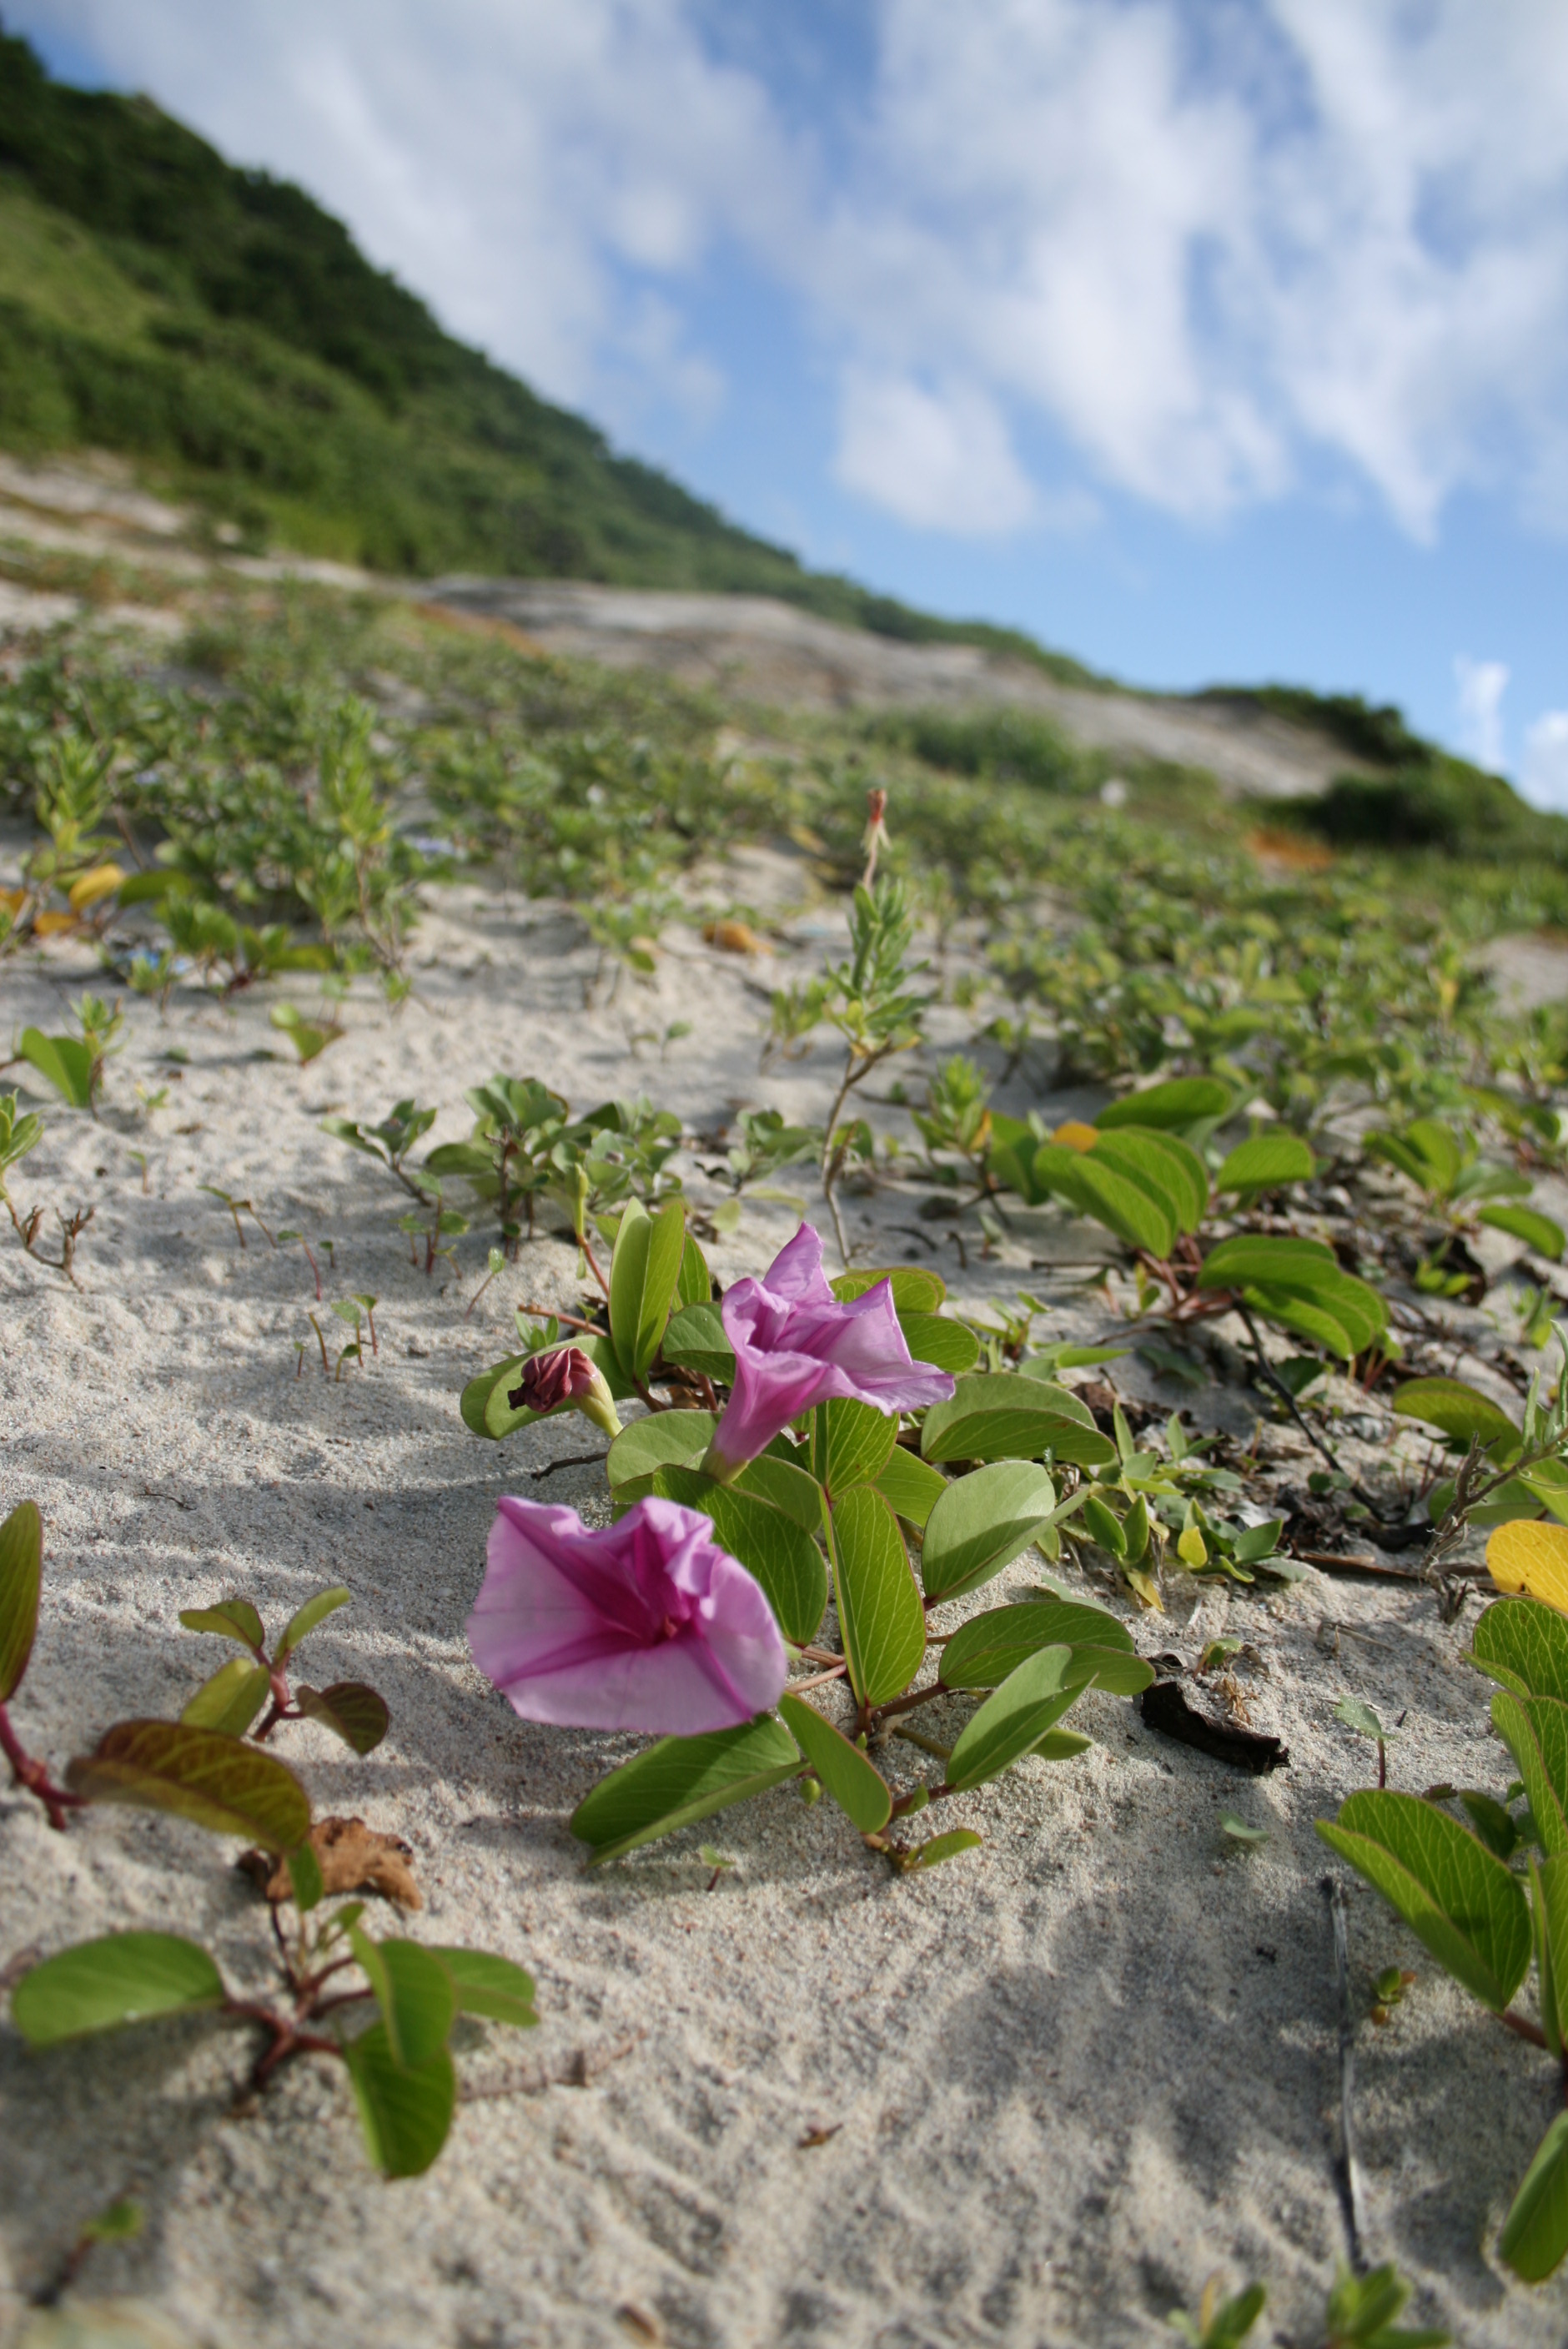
{"x": 1140, "y": 1172}
{"x": 384, "y": 2008}
{"x": 843, "y": 1427}
{"x": 1486, "y": 1893}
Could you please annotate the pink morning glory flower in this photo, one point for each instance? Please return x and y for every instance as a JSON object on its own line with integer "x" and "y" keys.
{"x": 644, "y": 1624}
{"x": 796, "y": 1345}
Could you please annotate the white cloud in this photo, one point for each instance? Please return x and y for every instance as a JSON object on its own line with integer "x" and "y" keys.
{"x": 1343, "y": 233}
{"x": 939, "y": 459}
{"x": 1219, "y": 254}
{"x": 1481, "y": 686}
{"x": 1544, "y": 780}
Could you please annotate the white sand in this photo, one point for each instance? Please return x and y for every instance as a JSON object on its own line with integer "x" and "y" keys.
{"x": 1067, "y": 2076}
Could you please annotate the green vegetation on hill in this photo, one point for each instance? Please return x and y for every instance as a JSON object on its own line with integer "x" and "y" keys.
{"x": 1378, "y": 736}
{"x": 1440, "y": 804}
{"x": 218, "y": 326}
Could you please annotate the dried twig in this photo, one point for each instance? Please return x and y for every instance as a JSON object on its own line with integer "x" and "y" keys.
{"x": 1351, "y": 2168}
{"x": 571, "y": 1460}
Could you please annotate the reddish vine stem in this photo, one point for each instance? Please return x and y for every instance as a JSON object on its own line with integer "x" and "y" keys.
{"x": 286, "y": 2040}
{"x": 567, "y": 1320}
{"x": 907, "y": 1702}
{"x": 281, "y": 1708}
{"x": 594, "y": 1263}
{"x": 33, "y": 1775}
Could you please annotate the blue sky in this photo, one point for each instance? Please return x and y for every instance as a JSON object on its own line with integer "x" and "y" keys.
{"x": 1207, "y": 339}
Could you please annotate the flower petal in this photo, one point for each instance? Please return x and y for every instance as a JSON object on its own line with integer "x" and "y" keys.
{"x": 646, "y": 1624}
{"x": 797, "y": 1346}
{"x": 796, "y": 1272}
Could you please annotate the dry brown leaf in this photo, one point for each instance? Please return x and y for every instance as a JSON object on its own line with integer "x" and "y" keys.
{"x": 353, "y": 1858}
{"x": 735, "y": 937}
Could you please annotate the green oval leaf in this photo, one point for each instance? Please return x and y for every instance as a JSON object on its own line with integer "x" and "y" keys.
{"x": 1457, "y": 1897}
{"x": 21, "y": 1586}
{"x": 1535, "y": 1731}
{"x": 1535, "y": 2232}
{"x": 1266, "y": 1161}
{"x": 474, "y": 1400}
{"x": 1527, "y": 1224}
{"x": 1525, "y": 1645}
{"x": 931, "y": 1854}
{"x": 1179, "y": 1103}
{"x": 880, "y": 1617}
{"x": 694, "y": 1282}
{"x": 1031, "y": 1701}
{"x": 1341, "y": 1310}
{"x": 981, "y": 1524}
{"x": 936, "y": 1339}
{"x": 417, "y": 1994}
{"x": 986, "y": 1649}
{"x": 1257, "y": 1260}
{"x": 785, "y": 1487}
{"x": 1125, "y": 1206}
{"x": 64, "y": 1062}
{"x": 315, "y": 1610}
{"x": 231, "y": 1618}
{"x": 405, "y": 2111}
{"x": 681, "y": 1780}
{"x": 1165, "y": 1164}
{"x": 772, "y": 1546}
{"x": 216, "y": 1782}
{"x": 855, "y": 1784}
{"x": 849, "y": 1443}
{"x": 998, "y": 1415}
{"x": 665, "y": 1438}
{"x": 909, "y": 1485}
{"x": 489, "y": 1986}
{"x": 120, "y": 1978}
{"x": 305, "y": 1879}
{"x": 1456, "y": 1410}
{"x": 1064, "y": 1744}
{"x": 309, "y": 1039}
{"x": 694, "y": 1340}
{"x": 644, "y": 1271}
{"x": 231, "y": 1700}
{"x": 351, "y": 1710}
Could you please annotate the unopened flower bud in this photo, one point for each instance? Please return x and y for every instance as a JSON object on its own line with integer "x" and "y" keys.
{"x": 875, "y": 833}
{"x": 565, "y": 1375}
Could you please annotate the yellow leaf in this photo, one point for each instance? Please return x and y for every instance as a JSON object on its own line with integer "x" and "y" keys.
{"x": 13, "y": 900}
{"x": 102, "y": 881}
{"x": 51, "y": 926}
{"x": 1524, "y": 1555}
{"x": 1191, "y": 1548}
{"x": 1076, "y": 1135}
{"x": 1144, "y": 1587}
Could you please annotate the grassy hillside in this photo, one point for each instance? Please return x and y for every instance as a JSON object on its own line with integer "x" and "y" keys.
{"x": 218, "y": 328}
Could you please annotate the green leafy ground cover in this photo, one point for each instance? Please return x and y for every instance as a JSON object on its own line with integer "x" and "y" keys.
{"x": 1306, "y": 1116}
